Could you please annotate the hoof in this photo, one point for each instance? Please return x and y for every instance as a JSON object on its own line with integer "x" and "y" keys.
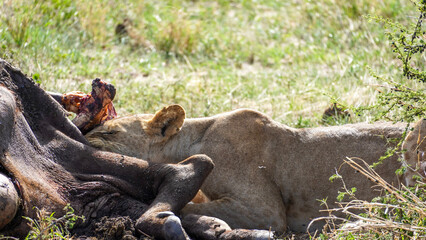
{"x": 9, "y": 201}
{"x": 165, "y": 214}
{"x": 173, "y": 229}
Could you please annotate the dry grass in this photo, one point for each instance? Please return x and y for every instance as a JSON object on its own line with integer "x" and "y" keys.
{"x": 400, "y": 214}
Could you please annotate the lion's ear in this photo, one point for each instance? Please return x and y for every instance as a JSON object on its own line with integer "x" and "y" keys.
{"x": 166, "y": 122}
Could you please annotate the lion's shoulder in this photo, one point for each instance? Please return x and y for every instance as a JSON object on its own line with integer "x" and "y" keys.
{"x": 244, "y": 115}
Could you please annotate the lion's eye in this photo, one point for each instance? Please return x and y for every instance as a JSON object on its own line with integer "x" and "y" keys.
{"x": 109, "y": 132}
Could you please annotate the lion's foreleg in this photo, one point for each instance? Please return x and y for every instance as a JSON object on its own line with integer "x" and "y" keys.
{"x": 239, "y": 214}
{"x": 205, "y": 227}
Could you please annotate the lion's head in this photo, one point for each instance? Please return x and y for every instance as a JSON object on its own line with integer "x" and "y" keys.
{"x": 134, "y": 135}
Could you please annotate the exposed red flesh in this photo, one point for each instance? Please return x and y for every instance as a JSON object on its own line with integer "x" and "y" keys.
{"x": 92, "y": 109}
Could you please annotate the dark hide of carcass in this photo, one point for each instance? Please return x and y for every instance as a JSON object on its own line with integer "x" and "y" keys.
{"x": 51, "y": 165}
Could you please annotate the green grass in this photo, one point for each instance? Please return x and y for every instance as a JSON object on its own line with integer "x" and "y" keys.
{"x": 288, "y": 59}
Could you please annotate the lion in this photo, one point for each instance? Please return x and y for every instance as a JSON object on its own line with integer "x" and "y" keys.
{"x": 267, "y": 175}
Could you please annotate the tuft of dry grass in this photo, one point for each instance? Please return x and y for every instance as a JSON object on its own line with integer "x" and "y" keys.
{"x": 400, "y": 214}
{"x": 179, "y": 36}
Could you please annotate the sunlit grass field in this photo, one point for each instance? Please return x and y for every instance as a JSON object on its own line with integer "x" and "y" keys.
{"x": 288, "y": 59}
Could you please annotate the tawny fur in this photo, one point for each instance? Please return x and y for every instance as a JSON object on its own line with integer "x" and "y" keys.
{"x": 267, "y": 175}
